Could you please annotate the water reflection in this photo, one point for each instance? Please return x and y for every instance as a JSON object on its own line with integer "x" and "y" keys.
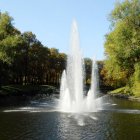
{"x": 115, "y": 120}
{"x": 75, "y": 126}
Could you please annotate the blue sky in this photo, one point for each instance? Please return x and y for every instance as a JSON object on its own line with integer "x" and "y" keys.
{"x": 51, "y": 21}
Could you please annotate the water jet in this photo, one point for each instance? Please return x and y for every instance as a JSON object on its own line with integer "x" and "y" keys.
{"x": 72, "y": 97}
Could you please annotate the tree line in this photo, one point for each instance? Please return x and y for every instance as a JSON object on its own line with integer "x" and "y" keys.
{"x": 25, "y": 60}
{"x": 122, "y": 48}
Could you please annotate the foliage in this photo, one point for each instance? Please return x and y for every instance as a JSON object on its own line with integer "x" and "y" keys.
{"x": 9, "y": 38}
{"x": 136, "y": 79}
{"x": 24, "y": 60}
{"x": 122, "y": 46}
{"x": 88, "y": 67}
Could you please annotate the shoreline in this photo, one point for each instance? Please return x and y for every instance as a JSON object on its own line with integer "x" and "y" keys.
{"x": 126, "y": 97}
{"x": 17, "y": 94}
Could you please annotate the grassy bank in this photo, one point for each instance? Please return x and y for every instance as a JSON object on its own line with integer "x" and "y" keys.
{"x": 132, "y": 93}
{"x": 28, "y": 90}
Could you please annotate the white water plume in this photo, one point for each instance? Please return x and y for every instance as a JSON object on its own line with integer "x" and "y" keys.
{"x": 72, "y": 97}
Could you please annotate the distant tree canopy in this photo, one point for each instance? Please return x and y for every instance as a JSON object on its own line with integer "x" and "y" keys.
{"x": 25, "y": 60}
{"x": 122, "y": 45}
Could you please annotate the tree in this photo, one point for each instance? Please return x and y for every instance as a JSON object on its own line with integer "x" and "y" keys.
{"x": 10, "y": 39}
{"x": 122, "y": 46}
{"x": 88, "y": 68}
{"x": 23, "y": 58}
{"x": 29, "y": 40}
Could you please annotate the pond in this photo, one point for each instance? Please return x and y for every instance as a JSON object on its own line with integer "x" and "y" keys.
{"x": 40, "y": 120}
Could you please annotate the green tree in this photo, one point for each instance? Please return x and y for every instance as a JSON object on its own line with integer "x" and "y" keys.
{"x": 29, "y": 40}
{"x": 10, "y": 39}
{"x": 88, "y": 68}
{"x": 122, "y": 46}
{"x": 24, "y": 60}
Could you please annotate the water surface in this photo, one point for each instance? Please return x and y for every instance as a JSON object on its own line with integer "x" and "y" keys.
{"x": 40, "y": 120}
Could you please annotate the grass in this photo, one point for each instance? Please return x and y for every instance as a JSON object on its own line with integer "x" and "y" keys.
{"x": 123, "y": 90}
{"x": 127, "y": 92}
{"x": 118, "y": 91}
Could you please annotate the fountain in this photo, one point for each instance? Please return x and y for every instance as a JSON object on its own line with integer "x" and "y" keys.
{"x": 72, "y": 98}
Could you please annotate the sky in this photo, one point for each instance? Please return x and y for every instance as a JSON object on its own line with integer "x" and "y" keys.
{"x": 50, "y": 21}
